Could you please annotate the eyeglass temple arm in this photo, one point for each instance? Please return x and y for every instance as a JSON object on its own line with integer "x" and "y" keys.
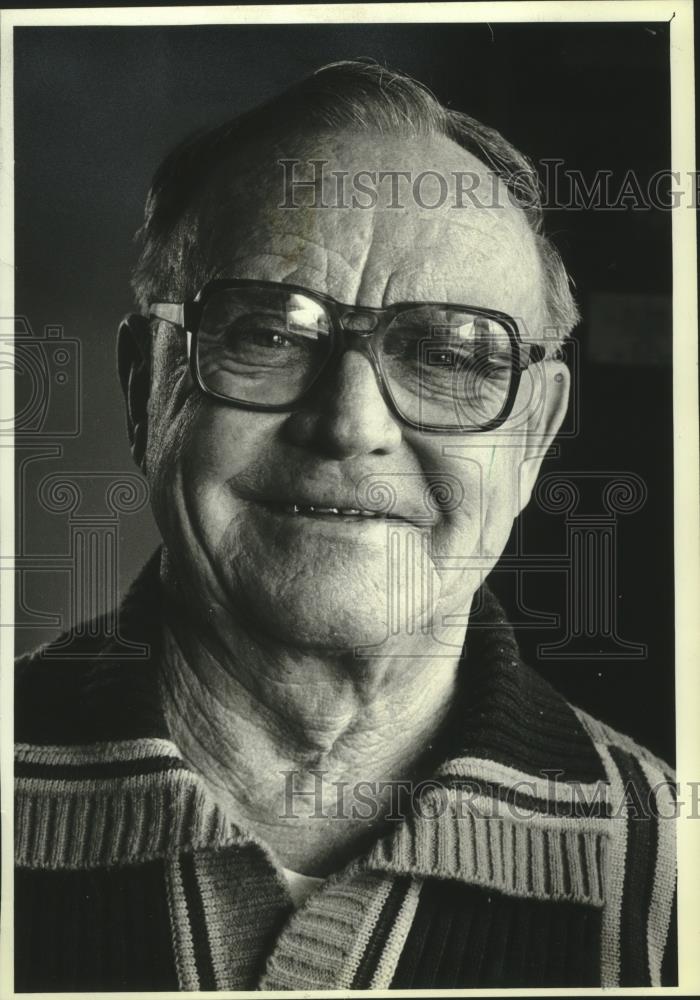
{"x": 530, "y": 354}
{"x": 171, "y": 312}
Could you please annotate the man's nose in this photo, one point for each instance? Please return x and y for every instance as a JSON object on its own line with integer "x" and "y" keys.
{"x": 347, "y": 415}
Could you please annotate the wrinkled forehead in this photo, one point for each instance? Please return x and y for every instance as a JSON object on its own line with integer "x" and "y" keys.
{"x": 374, "y": 220}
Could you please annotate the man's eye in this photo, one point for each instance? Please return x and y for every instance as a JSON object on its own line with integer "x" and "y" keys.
{"x": 442, "y": 358}
{"x": 257, "y": 337}
{"x": 487, "y": 365}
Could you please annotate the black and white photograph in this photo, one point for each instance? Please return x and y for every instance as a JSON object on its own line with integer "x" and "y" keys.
{"x": 350, "y": 569}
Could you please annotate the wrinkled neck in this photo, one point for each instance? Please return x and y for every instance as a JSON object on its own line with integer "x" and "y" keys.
{"x": 245, "y": 713}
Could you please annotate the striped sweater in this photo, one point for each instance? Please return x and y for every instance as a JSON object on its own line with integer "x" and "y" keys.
{"x": 539, "y": 856}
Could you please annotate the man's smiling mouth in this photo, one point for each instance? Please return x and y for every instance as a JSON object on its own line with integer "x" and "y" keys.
{"x": 329, "y": 512}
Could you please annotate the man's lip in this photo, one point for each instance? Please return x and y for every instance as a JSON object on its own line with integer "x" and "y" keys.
{"x": 331, "y": 509}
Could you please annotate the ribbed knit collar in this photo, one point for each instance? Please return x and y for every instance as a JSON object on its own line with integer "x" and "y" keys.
{"x": 520, "y": 756}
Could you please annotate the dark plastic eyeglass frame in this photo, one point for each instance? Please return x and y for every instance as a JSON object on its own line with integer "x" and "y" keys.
{"x": 188, "y": 315}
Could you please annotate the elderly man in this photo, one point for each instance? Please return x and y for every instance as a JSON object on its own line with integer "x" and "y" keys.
{"x": 332, "y": 770}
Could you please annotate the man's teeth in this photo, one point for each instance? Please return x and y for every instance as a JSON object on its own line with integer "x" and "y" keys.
{"x": 343, "y": 511}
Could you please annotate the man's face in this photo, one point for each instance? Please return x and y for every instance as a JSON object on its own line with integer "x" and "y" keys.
{"x": 225, "y": 481}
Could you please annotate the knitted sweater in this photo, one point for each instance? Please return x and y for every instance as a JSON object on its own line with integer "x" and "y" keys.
{"x": 129, "y": 877}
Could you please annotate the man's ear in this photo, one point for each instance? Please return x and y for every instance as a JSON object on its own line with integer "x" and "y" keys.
{"x": 552, "y": 381}
{"x": 134, "y": 367}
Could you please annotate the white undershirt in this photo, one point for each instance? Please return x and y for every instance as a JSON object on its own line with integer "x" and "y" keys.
{"x": 301, "y": 886}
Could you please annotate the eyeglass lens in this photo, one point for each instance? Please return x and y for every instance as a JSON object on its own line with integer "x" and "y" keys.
{"x": 442, "y": 366}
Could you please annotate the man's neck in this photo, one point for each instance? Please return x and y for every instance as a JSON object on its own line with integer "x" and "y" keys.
{"x": 283, "y": 737}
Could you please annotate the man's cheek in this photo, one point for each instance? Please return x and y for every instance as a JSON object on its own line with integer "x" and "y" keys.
{"x": 171, "y": 442}
{"x": 215, "y": 517}
{"x": 482, "y": 478}
{"x": 501, "y": 484}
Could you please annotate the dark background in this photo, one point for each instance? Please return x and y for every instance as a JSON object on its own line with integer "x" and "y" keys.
{"x": 97, "y": 108}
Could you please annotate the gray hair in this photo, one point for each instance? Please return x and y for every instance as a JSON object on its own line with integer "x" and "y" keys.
{"x": 360, "y": 95}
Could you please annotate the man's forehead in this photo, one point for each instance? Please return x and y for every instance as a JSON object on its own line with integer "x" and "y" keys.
{"x": 391, "y": 219}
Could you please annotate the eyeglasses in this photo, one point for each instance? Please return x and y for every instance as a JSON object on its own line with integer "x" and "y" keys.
{"x": 440, "y": 368}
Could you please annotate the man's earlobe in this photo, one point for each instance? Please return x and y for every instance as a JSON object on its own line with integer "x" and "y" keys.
{"x": 133, "y": 365}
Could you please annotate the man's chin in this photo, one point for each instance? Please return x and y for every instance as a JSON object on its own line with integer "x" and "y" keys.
{"x": 318, "y": 589}
{"x": 321, "y": 608}
{"x": 306, "y": 634}
{"x": 313, "y": 612}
